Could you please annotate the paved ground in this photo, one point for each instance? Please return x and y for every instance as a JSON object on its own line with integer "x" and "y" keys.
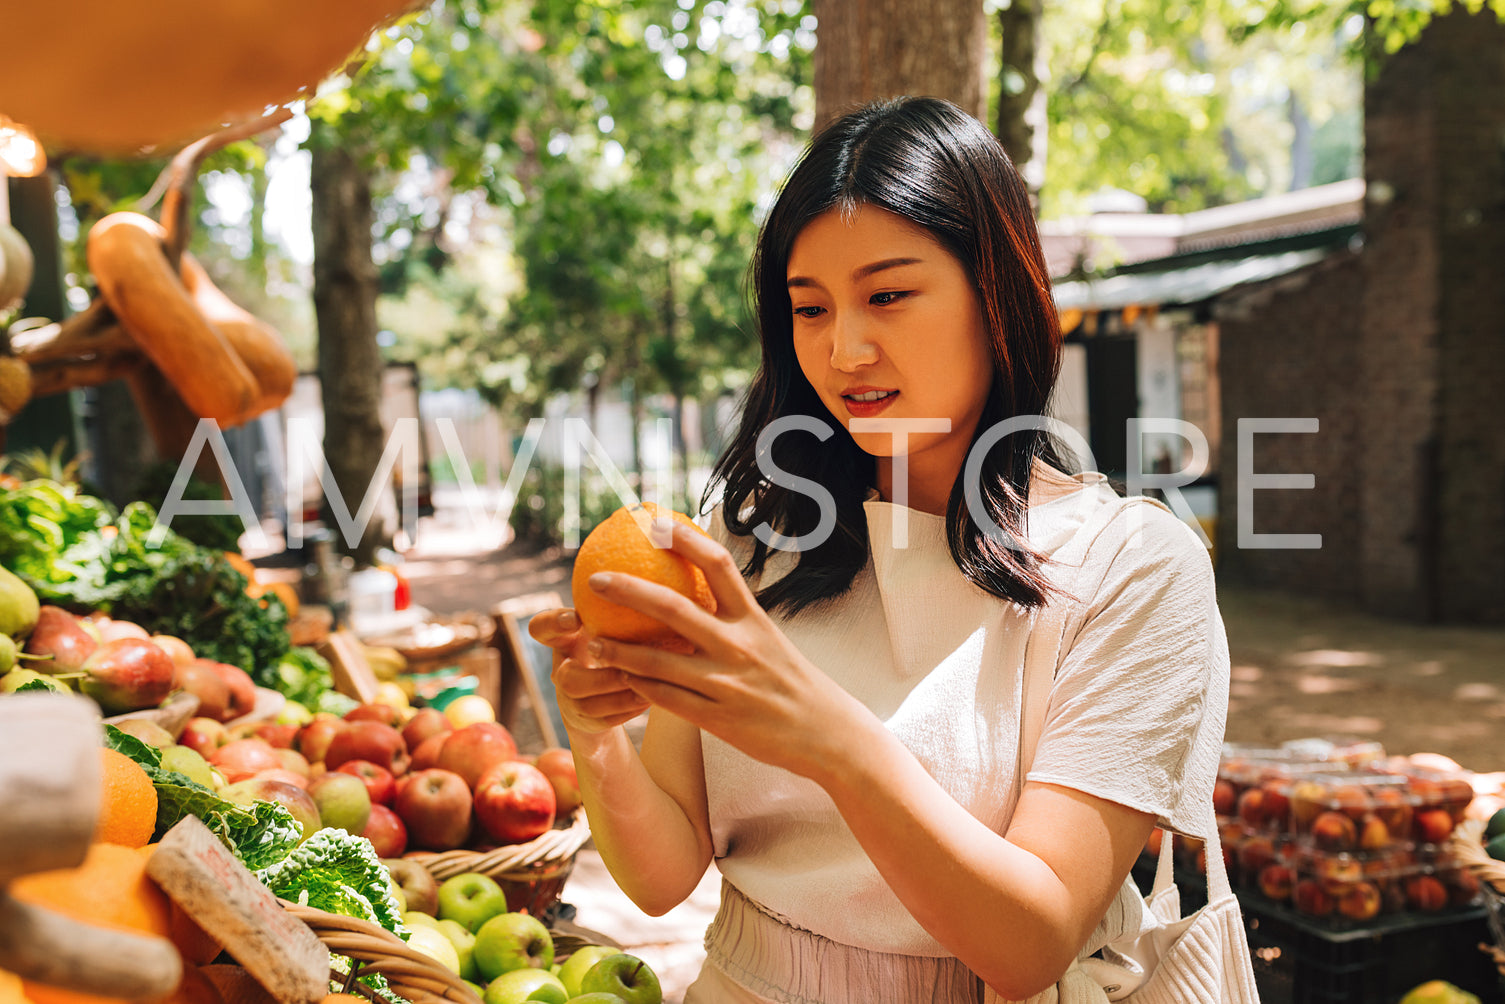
{"x": 1301, "y": 668}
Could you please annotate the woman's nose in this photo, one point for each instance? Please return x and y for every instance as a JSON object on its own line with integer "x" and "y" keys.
{"x": 852, "y": 345}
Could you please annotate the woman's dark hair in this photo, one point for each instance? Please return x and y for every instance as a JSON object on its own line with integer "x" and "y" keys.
{"x": 931, "y": 163}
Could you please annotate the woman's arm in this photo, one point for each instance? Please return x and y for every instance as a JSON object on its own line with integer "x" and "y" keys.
{"x": 1015, "y": 910}
{"x": 647, "y": 812}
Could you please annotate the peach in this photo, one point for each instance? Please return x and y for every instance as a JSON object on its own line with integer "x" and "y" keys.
{"x": 1360, "y": 901}
{"x": 1224, "y": 797}
{"x": 1251, "y": 807}
{"x": 1254, "y": 854}
{"x": 1352, "y": 800}
{"x": 1433, "y": 825}
{"x": 1393, "y": 810}
{"x": 1373, "y": 833}
{"x": 1308, "y": 801}
{"x": 1334, "y": 831}
{"x": 1276, "y": 881}
{"x": 1277, "y": 804}
{"x": 1426, "y": 893}
{"x": 1310, "y": 898}
{"x": 1338, "y": 873}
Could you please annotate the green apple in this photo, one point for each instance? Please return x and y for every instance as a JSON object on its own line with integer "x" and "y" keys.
{"x": 342, "y": 805}
{"x": 522, "y": 985}
{"x": 596, "y": 998}
{"x": 511, "y": 941}
{"x": 472, "y": 899}
{"x": 293, "y": 713}
{"x": 625, "y": 975}
{"x": 475, "y": 988}
{"x": 432, "y": 942}
{"x": 188, "y": 762}
{"x": 415, "y": 920}
{"x": 574, "y": 968}
{"x": 465, "y": 945}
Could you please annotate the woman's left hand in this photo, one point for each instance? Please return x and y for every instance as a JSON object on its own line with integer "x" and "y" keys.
{"x": 745, "y": 682}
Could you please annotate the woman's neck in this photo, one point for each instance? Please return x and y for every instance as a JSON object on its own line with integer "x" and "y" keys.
{"x": 931, "y": 494}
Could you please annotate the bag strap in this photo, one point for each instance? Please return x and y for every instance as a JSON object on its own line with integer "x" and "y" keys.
{"x": 1042, "y": 658}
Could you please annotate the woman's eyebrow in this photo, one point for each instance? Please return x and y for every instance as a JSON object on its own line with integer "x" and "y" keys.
{"x": 861, "y": 272}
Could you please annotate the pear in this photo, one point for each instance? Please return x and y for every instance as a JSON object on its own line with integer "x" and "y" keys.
{"x": 18, "y": 605}
{"x": 60, "y": 635}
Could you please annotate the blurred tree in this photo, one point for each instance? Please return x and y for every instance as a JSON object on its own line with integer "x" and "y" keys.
{"x": 885, "y": 48}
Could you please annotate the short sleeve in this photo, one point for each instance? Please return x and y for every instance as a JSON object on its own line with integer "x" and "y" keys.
{"x": 1140, "y": 700}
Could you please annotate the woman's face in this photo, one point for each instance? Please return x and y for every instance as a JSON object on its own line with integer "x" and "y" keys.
{"x": 888, "y": 325}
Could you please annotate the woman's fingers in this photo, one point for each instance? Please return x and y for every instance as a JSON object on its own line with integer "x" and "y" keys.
{"x": 554, "y": 628}
{"x": 733, "y": 598}
{"x": 661, "y": 603}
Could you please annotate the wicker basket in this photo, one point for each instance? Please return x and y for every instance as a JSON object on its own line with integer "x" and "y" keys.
{"x": 532, "y": 874}
{"x": 373, "y": 949}
{"x": 1467, "y": 846}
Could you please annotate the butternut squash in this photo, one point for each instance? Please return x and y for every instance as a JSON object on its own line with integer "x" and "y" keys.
{"x": 257, "y": 343}
{"x": 124, "y": 251}
{"x": 113, "y": 77}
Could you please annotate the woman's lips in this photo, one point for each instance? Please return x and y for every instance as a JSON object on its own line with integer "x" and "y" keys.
{"x": 867, "y": 409}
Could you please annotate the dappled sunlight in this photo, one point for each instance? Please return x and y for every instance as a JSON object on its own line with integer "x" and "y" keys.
{"x": 1312, "y": 684}
{"x": 436, "y": 569}
{"x": 1334, "y": 658}
{"x": 1338, "y": 725}
{"x": 1477, "y": 692}
{"x": 1246, "y": 673}
{"x": 1432, "y": 667}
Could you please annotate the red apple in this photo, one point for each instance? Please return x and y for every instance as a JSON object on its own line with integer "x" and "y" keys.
{"x": 426, "y": 722}
{"x": 203, "y": 736}
{"x": 276, "y": 734}
{"x": 514, "y": 802}
{"x": 204, "y": 683}
{"x": 62, "y": 636}
{"x": 314, "y": 738}
{"x": 368, "y": 740}
{"x": 386, "y": 832}
{"x": 384, "y": 713}
{"x": 111, "y": 630}
{"x": 476, "y": 748}
{"x": 293, "y": 760}
{"x": 558, "y": 765}
{"x": 297, "y": 801}
{"x": 380, "y": 784}
{"x": 435, "y": 805}
{"x": 176, "y": 648}
{"x": 242, "y": 690}
{"x": 244, "y": 758}
{"x": 426, "y": 754}
{"x": 126, "y": 674}
{"x": 282, "y": 774}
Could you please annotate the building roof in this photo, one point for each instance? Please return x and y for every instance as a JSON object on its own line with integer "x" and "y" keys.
{"x": 1190, "y": 283}
{"x": 1125, "y": 238}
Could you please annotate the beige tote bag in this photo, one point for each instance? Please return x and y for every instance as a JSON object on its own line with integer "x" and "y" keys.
{"x": 1202, "y": 958}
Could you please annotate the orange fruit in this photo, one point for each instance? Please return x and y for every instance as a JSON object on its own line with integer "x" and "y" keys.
{"x": 128, "y": 802}
{"x": 110, "y": 889}
{"x": 621, "y": 544}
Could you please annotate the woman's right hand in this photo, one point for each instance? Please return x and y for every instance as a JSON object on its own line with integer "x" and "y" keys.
{"x": 591, "y": 698}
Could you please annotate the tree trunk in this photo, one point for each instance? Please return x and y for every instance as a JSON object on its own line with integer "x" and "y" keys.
{"x": 1021, "y": 100}
{"x": 1302, "y": 156}
{"x": 869, "y": 49}
{"x": 350, "y": 363}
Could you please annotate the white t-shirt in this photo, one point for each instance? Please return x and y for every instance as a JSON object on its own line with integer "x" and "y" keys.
{"x": 1136, "y": 713}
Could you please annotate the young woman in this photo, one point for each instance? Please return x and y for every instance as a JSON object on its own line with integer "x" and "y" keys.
{"x": 843, "y": 741}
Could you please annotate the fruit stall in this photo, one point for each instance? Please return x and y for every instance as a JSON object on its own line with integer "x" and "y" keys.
{"x": 280, "y": 838}
{"x": 1362, "y": 875}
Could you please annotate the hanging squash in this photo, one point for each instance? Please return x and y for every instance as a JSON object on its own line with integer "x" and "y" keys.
{"x": 113, "y": 77}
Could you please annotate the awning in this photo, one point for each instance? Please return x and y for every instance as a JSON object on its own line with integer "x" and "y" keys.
{"x": 1191, "y": 284}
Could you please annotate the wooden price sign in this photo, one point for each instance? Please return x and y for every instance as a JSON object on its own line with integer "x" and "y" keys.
{"x": 210, "y": 885}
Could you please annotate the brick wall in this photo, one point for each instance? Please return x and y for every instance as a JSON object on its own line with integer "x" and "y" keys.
{"x": 1399, "y": 351}
{"x": 1289, "y": 348}
{"x": 1434, "y": 309}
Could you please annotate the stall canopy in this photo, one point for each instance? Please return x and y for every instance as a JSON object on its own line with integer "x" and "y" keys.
{"x": 1184, "y": 285}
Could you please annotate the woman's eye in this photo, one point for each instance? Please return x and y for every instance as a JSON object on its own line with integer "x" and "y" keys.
{"x": 886, "y": 298}
{"x": 808, "y": 311}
